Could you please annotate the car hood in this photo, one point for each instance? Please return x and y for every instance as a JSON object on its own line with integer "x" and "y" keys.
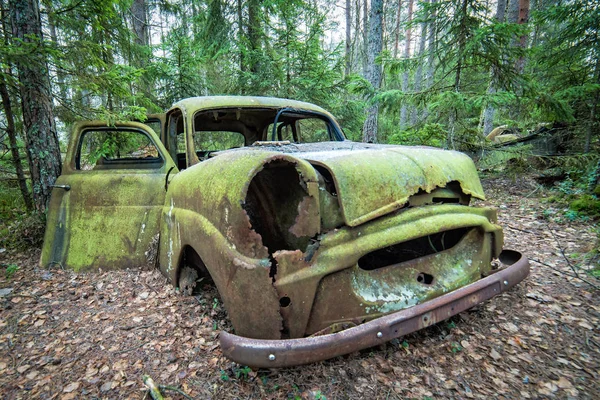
{"x": 372, "y": 180}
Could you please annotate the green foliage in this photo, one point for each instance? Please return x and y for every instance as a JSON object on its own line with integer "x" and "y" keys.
{"x": 428, "y": 135}
{"x": 11, "y": 269}
{"x": 587, "y": 205}
{"x": 455, "y": 347}
{"x": 23, "y": 232}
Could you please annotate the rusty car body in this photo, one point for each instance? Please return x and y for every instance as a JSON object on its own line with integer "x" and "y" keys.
{"x": 318, "y": 246}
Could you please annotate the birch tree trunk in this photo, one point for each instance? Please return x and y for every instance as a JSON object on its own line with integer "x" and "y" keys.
{"x": 374, "y": 69}
{"x": 36, "y": 101}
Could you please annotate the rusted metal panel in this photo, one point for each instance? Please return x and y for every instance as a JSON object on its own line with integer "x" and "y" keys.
{"x": 387, "y": 177}
{"x": 333, "y": 266}
{"x": 300, "y": 239}
{"x": 108, "y": 217}
{"x": 285, "y": 353}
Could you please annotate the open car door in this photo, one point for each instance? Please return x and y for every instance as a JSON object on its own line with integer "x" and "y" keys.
{"x": 105, "y": 208}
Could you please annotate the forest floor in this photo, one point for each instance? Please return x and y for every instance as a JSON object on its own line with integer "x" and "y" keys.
{"x": 94, "y": 335}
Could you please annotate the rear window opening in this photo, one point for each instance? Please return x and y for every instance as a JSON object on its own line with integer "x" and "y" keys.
{"x": 412, "y": 249}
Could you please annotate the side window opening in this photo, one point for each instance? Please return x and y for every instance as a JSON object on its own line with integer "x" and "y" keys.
{"x": 112, "y": 148}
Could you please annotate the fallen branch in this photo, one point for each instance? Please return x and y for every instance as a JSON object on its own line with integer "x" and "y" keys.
{"x": 174, "y": 389}
{"x": 565, "y": 273}
{"x": 154, "y": 391}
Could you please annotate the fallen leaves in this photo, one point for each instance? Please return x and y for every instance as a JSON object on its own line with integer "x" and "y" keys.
{"x": 96, "y": 334}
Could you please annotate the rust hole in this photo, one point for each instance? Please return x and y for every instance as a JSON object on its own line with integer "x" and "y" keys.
{"x": 412, "y": 249}
{"x": 425, "y": 278}
{"x": 285, "y": 301}
{"x": 272, "y": 205}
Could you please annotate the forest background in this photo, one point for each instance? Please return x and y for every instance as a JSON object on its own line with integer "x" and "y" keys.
{"x": 439, "y": 73}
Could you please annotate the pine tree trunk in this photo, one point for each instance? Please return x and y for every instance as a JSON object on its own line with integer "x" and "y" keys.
{"x": 139, "y": 22}
{"x": 450, "y": 140}
{"x": 348, "y": 37}
{"x": 374, "y": 70}
{"x": 489, "y": 111}
{"x": 593, "y": 124}
{"x": 365, "y": 38}
{"x": 430, "y": 53}
{"x": 397, "y": 30}
{"x": 408, "y": 37}
{"x": 419, "y": 73}
{"x": 36, "y": 100}
{"x": 522, "y": 19}
{"x": 254, "y": 33}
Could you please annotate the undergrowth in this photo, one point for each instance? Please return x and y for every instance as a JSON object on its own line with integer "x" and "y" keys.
{"x": 19, "y": 229}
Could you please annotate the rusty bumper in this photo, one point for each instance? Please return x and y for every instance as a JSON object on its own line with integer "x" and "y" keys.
{"x": 285, "y": 353}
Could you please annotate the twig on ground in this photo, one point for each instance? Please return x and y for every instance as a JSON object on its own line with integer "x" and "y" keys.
{"x": 565, "y": 273}
{"x": 535, "y": 190}
{"x": 562, "y": 251}
{"x": 174, "y": 389}
{"x": 134, "y": 327}
{"x": 129, "y": 349}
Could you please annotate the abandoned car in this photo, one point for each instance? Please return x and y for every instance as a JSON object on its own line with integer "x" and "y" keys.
{"x": 318, "y": 246}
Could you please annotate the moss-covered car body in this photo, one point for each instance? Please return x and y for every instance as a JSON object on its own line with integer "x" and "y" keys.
{"x": 303, "y": 232}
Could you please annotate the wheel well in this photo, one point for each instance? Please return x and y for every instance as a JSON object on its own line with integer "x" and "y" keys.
{"x": 190, "y": 258}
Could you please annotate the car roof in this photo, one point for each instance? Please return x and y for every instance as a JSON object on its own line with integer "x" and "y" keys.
{"x": 208, "y": 102}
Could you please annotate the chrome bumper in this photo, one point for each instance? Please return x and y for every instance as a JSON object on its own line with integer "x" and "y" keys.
{"x": 290, "y": 352}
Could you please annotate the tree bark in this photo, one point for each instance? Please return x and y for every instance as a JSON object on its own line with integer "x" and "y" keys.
{"x": 408, "y": 37}
{"x": 365, "y": 38}
{"x": 489, "y": 111}
{"x": 419, "y": 73}
{"x": 593, "y": 124}
{"x": 523, "y": 18}
{"x": 139, "y": 22}
{"x": 397, "y": 30}
{"x": 431, "y": 44}
{"x": 457, "y": 78}
{"x": 254, "y": 33}
{"x": 374, "y": 69}
{"x": 348, "y": 37}
{"x": 36, "y": 100}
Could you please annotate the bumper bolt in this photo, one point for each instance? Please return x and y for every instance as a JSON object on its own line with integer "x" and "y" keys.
{"x": 271, "y": 357}
{"x": 379, "y": 335}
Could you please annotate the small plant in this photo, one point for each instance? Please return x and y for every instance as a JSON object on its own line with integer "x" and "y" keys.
{"x": 242, "y": 373}
{"x": 320, "y": 396}
{"x": 11, "y": 269}
{"x": 224, "y": 376}
{"x": 455, "y": 347}
{"x": 451, "y": 325}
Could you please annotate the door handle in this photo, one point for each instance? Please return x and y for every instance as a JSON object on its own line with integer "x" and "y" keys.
{"x": 65, "y": 187}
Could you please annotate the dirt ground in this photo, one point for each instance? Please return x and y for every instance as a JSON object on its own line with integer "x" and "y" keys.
{"x": 95, "y": 335}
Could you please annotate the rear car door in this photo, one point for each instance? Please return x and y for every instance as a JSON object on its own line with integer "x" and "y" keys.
{"x": 105, "y": 208}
